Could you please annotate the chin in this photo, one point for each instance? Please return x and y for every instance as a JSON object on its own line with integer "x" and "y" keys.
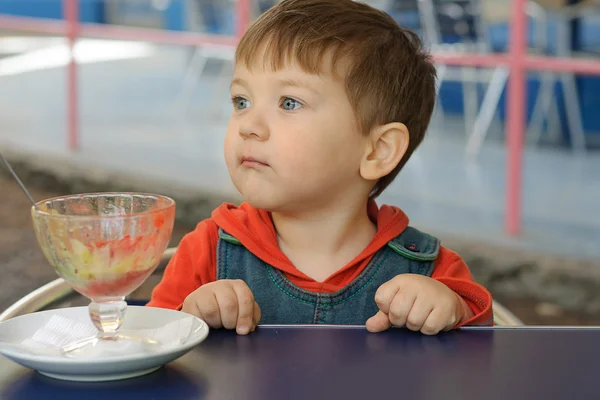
{"x": 272, "y": 204}
{"x": 256, "y": 194}
{"x": 259, "y": 199}
{"x": 261, "y": 204}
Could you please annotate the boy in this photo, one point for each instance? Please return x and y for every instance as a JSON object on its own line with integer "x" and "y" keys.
{"x": 330, "y": 98}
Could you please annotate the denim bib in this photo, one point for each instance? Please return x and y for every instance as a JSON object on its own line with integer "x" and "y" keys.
{"x": 282, "y": 302}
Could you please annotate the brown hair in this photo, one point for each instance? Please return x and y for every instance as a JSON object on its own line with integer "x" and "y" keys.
{"x": 390, "y": 77}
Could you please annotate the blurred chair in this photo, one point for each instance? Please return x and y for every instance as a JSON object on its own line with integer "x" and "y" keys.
{"x": 452, "y": 26}
{"x": 498, "y": 12}
{"x": 449, "y": 27}
{"x": 564, "y": 14}
{"x": 213, "y": 17}
{"x": 467, "y": 23}
{"x": 462, "y": 27}
{"x": 195, "y": 69}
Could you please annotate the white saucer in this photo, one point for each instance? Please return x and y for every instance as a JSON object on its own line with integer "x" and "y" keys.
{"x": 34, "y": 341}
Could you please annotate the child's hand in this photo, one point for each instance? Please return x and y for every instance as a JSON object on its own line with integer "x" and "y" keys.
{"x": 419, "y": 303}
{"x": 225, "y": 304}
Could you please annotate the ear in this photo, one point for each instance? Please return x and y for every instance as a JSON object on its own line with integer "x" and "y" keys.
{"x": 386, "y": 146}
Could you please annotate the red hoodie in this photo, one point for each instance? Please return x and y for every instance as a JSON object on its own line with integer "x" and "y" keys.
{"x": 195, "y": 262}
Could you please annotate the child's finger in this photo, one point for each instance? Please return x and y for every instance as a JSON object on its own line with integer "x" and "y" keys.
{"x": 228, "y": 306}
{"x": 378, "y": 322}
{"x": 245, "y": 311}
{"x": 434, "y": 322}
{"x": 257, "y": 315}
{"x": 208, "y": 310}
{"x": 385, "y": 294}
{"x": 418, "y": 314}
{"x": 400, "y": 307}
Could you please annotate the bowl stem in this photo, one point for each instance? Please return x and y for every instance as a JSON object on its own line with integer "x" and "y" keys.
{"x": 108, "y": 316}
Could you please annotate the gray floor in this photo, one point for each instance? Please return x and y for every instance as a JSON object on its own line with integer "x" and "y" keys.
{"x": 132, "y": 121}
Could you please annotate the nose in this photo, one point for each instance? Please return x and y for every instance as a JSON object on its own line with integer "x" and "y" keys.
{"x": 253, "y": 125}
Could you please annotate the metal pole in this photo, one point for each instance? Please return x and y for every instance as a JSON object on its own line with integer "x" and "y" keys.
{"x": 516, "y": 115}
{"x": 71, "y": 15}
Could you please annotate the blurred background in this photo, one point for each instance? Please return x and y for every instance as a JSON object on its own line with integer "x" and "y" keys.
{"x": 133, "y": 95}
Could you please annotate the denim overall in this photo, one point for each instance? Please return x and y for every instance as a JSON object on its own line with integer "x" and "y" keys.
{"x": 282, "y": 302}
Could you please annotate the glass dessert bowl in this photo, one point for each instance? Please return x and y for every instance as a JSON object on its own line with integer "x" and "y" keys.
{"x": 104, "y": 245}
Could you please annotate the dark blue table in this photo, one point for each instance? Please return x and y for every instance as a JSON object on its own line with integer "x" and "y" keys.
{"x": 349, "y": 363}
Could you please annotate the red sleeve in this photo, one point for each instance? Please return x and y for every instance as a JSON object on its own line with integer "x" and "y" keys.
{"x": 193, "y": 264}
{"x": 452, "y": 271}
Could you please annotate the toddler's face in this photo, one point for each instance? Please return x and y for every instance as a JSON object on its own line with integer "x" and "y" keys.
{"x": 292, "y": 143}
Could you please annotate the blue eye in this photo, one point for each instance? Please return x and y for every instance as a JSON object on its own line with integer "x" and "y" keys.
{"x": 289, "y": 104}
{"x": 240, "y": 103}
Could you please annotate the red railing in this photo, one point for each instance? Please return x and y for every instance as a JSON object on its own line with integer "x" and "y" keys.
{"x": 517, "y": 60}
{"x": 515, "y": 124}
{"x": 71, "y": 12}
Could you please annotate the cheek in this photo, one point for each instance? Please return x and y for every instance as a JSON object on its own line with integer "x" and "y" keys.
{"x": 314, "y": 159}
{"x": 300, "y": 154}
{"x": 230, "y": 145}
{"x": 335, "y": 148}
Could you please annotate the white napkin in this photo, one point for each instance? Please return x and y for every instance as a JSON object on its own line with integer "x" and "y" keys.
{"x": 58, "y": 332}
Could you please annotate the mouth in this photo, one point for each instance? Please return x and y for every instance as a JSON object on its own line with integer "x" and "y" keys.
{"x": 250, "y": 162}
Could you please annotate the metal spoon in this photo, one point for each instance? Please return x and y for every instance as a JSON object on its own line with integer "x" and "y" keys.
{"x": 12, "y": 172}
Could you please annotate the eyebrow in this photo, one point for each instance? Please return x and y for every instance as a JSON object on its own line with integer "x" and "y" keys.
{"x": 282, "y": 82}
{"x": 295, "y": 83}
{"x": 239, "y": 81}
